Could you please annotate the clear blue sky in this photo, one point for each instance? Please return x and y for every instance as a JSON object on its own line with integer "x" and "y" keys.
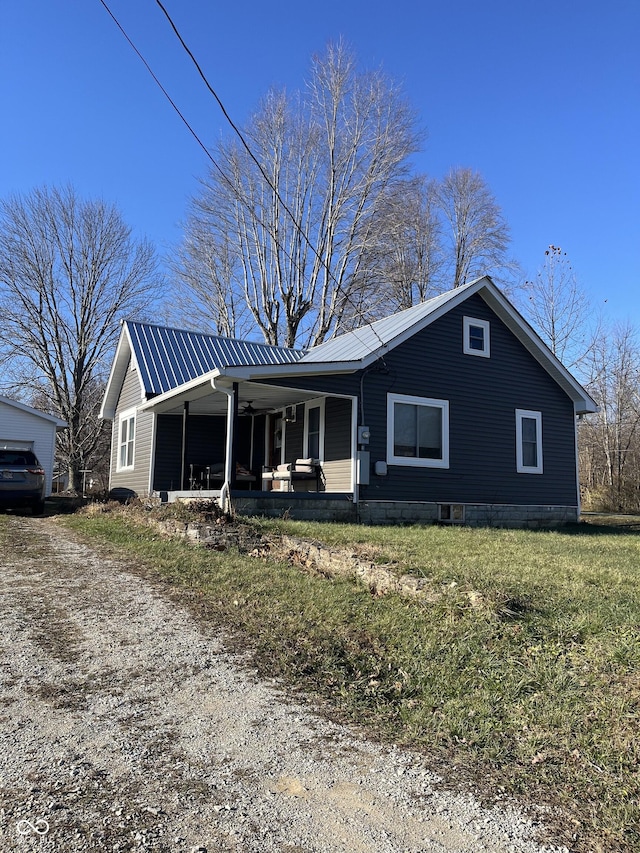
{"x": 542, "y": 97}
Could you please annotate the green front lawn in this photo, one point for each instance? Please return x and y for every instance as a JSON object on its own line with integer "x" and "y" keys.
{"x": 519, "y": 668}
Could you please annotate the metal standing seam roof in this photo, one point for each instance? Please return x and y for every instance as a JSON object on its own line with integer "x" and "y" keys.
{"x": 167, "y": 358}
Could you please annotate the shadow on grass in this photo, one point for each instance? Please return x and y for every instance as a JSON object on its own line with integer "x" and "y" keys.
{"x": 53, "y": 505}
{"x": 605, "y": 524}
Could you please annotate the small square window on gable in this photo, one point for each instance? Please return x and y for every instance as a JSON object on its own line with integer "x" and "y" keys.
{"x": 476, "y": 337}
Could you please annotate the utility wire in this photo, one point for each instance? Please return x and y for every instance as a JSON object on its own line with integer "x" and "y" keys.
{"x": 163, "y": 90}
{"x": 266, "y": 177}
{"x": 224, "y": 176}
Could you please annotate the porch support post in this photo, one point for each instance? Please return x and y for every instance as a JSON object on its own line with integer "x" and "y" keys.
{"x": 354, "y": 449}
{"x": 183, "y": 460}
{"x": 229, "y": 461}
{"x": 231, "y": 455}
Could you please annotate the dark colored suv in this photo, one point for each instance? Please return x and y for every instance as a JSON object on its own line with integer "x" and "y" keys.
{"x": 22, "y": 481}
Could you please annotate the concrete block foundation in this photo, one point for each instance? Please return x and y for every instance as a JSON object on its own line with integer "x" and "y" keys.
{"x": 473, "y": 515}
{"x": 326, "y": 507}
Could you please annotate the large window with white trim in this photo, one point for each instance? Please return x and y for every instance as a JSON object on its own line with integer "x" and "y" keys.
{"x": 126, "y": 440}
{"x": 528, "y": 442}
{"x": 417, "y": 431}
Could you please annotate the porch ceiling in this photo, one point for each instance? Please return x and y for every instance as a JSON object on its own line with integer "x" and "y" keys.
{"x": 203, "y": 400}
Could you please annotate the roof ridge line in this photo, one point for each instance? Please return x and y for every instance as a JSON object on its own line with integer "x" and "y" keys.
{"x": 211, "y": 335}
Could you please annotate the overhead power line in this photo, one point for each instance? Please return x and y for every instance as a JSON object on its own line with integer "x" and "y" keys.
{"x": 161, "y": 87}
{"x": 225, "y": 177}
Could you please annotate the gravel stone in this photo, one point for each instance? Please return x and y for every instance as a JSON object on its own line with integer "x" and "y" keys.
{"x": 127, "y": 726}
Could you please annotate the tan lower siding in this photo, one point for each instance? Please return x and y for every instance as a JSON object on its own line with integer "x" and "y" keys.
{"x": 337, "y": 476}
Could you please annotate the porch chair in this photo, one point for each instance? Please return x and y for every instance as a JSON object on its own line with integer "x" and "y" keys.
{"x": 291, "y": 472}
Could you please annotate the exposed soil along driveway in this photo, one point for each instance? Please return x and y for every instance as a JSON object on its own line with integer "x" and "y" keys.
{"x": 124, "y": 726}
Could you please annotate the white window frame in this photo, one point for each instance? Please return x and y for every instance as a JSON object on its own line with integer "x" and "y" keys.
{"x": 468, "y": 322}
{"x": 521, "y": 468}
{"x": 129, "y": 417}
{"x": 415, "y": 461}
{"x": 314, "y": 404}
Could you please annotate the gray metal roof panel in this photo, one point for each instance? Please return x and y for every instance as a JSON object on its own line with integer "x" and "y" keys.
{"x": 167, "y": 358}
{"x": 360, "y": 343}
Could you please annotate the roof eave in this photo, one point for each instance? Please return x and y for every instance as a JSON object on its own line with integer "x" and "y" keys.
{"x": 276, "y": 371}
{"x": 123, "y": 355}
{"x": 53, "y": 419}
{"x": 202, "y": 385}
{"x": 526, "y": 334}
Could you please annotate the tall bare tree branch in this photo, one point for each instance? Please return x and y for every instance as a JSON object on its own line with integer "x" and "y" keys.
{"x": 297, "y": 241}
{"x": 560, "y": 310}
{"x": 478, "y": 235}
{"x": 69, "y": 271}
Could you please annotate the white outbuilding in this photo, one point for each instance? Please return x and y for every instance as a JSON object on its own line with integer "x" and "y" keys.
{"x": 24, "y": 428}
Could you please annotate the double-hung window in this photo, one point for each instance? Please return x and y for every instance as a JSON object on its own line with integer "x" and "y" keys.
{"x": 476, "y": 337}
{"x": 126, "y": 440}
{"x": 528, "y": 442}
{"x": 417, "y": 431}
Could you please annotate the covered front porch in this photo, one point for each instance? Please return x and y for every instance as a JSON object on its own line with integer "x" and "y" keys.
{"x": 232, "y": 440}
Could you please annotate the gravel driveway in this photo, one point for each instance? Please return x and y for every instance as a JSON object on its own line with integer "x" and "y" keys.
{"x": 124, "y": 725}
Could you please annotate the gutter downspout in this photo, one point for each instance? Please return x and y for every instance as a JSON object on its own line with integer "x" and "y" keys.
{"x": 225, "y": 491}
{"x": 576, "y": 420}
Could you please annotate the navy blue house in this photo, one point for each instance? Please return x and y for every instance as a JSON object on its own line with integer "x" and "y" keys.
{"x": 453, "y": 411}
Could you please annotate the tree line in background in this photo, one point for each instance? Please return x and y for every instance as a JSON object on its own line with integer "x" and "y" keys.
{"x": 309, "y": 223}
{"x": 605, "y": 358}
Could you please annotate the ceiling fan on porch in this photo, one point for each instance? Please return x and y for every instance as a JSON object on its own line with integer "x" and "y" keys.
{"x": 249, "y": 409}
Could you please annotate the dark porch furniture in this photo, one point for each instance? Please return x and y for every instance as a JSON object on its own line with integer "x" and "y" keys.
{"x": 212, "y": 476}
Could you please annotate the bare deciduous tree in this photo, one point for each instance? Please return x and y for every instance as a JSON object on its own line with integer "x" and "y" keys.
{"x": 405, "y": 266}
{"x": 69, "y": 270}
{"x": 207, "y": 297}
{"x": 610, "y": 439}
{"x": 478, "y": 235}
{"x": 560, "y": 310}
{"x": 290, "y": 237}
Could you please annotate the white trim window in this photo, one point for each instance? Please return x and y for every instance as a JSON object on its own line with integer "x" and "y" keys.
{"x": 528, "y": 442}
{"x": 314, "y": 430}
{"x": 417, "y": 431}
{"x": 476, "y": 337}
{"x": 126, "y": 440}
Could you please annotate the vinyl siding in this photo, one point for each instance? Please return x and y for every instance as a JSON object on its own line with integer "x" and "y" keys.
{"x": 337, "y": 445}
{"x": 206, "y": 438}
{"x": 137, "y": 479}
{"x": 167, "y": 464}
{"x": 483, "y": 394}
{"x": 206, "y": 445}
{"x": 294, "y": 437}
{"x": 336, "y": 465}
